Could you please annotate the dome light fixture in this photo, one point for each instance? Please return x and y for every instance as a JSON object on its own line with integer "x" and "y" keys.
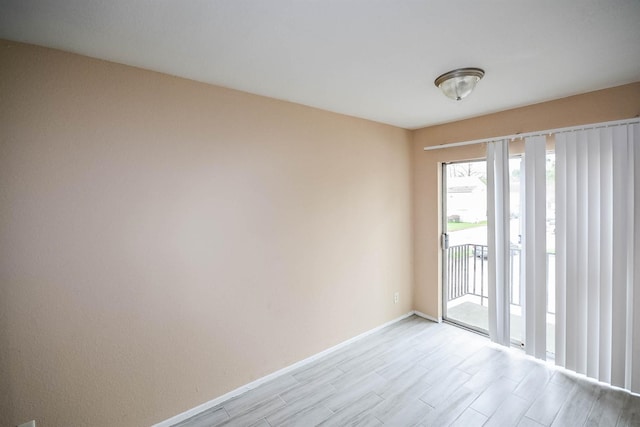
{"x": 459, "y": 83}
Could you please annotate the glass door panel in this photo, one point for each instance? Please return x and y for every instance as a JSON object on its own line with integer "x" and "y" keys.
{"x": 465, "y": 274}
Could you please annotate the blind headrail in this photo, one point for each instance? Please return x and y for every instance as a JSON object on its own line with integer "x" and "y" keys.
{"x": 537, "y": 133}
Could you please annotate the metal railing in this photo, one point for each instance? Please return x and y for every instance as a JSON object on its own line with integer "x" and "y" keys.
{"x": 467, "y": 274}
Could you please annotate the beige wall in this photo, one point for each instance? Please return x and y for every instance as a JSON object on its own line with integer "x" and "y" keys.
{"x": 164, "y": 241}
{"x": 622, "y": 102}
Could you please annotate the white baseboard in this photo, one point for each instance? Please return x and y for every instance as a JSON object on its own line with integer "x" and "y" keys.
{"x": 210, "y": 404}
{"x": 426, "y": 316}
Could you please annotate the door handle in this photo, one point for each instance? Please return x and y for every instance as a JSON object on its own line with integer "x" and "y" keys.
{"x": 444, "y": 241}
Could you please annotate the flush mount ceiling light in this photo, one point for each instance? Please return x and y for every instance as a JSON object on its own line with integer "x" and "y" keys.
{"x": 459, "y": 83}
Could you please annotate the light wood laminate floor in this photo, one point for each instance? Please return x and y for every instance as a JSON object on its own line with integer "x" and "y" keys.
{"x": 419, "y": 373}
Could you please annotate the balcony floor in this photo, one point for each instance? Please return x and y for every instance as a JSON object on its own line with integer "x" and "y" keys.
{"x": 468, "y": 310}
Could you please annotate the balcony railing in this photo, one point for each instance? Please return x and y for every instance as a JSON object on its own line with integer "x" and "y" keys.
{"x": 467, "y": 274}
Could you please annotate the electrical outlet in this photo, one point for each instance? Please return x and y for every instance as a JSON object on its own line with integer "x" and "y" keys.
{"x": 396, "y": 297}
{"x": 28, "y": 424}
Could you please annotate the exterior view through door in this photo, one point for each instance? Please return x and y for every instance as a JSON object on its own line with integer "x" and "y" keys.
{"x": 466, "y": 251}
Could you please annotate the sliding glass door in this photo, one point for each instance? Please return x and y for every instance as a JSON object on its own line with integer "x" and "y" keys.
{"x": 465, "y": 278}
{"x": 464, "y": 242}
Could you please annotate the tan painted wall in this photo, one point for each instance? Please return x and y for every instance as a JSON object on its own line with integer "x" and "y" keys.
{"x": 618, "y": 103}
{"x": 164, "y": 241}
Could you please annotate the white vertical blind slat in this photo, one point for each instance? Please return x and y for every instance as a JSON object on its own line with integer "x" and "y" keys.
{"x": 582, "y": 243}
{"x": 498, "y": 229}
{"x": 504, "y": 245}
{"x": 593, "y": 237}
{"x": 561, "y": 245}
{"x": 633, "y": 297}
{"x": 626, "y": 135}
{"x": 535, "y": 247}
{"x": 571, "y": 281}
{"x": 606, "y": 256}
{"x": 491, "y": 240}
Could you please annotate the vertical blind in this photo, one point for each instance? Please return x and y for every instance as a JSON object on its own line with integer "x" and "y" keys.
{"x": 597, "y": 253}
{"x": 597, "y": 296}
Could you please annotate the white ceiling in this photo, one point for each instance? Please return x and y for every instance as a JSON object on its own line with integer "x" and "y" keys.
{"x": 375, "y": 59}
